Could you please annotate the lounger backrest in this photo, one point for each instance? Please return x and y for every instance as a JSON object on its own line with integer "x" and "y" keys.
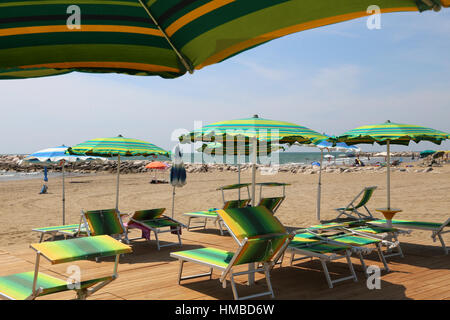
{"x": 259, "y": 249}
{"x": 236, "y": 203}
{"x": 368, "y": 192}
{"x": 251, "y": 222}
{"x": 149, "y": 214}
{"x": 271, "y": 203}
{"x": 104, "y": 222}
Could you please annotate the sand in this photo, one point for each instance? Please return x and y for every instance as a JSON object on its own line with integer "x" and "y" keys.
{"x": 421, "y": 196}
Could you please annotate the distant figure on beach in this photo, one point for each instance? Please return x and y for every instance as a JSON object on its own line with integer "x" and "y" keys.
{"x": 44, "y": 186}
{"x": 359, "y": 163}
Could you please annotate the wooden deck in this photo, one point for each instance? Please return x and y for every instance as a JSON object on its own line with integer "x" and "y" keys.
{"x": 424, "y": 273}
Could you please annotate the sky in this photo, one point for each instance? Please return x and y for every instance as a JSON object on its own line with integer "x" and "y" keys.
{"x": 330, "y": 79}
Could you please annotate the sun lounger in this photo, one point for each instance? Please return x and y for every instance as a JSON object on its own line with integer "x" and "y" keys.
{"x": 104, "y": 222}
{"x": 310, "y": 246}
{"x": 437, "y": 229}
{"x": 153, "y": 220}
{"x": 70, "y": 230}
{"x": 261, "y": 239}
{"x": 33, "y": 284}
{"x": 272, "y": 203}
{"x": 352, "y": 209}
{"x": 363, "y": 228}
{"x": 211, "y": 214}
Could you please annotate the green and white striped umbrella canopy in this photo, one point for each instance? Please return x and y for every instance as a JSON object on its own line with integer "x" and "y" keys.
{"x": 253, "y": 131}
{"x": 395, "y": 133}
{"x": 220, "y": 149}
{"x": 117, "y": 146}
{"x": 278, "y": 132}
{"x": 159, "y": 37}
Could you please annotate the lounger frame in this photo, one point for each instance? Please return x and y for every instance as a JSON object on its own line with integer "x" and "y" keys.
{"x": 352, "y": 208}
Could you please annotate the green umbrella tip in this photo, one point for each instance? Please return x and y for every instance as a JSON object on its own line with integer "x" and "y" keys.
{"x": 255, "y": 116}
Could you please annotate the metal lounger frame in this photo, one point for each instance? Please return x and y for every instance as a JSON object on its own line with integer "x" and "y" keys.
{"x": 353, "y": 207}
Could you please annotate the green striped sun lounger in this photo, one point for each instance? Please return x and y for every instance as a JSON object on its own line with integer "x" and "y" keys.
{"x": 104, "y": 222}
{"x": 374, "y": 234}
{"x": 211, "y": 214}
{"x": 153, "y": 220}
{"x": 436, "y": 229}
{"x": 70, "y": 230}
{"x": 310, "y": 246}
{"x": 272, "y": 203}
{"x": 259, "y": 251}
{"x": 33, "y": 284}
{"x": 352, "y": 210}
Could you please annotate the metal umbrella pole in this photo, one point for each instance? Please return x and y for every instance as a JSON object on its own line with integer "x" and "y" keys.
{"x": 319, "y": 187}
{"x": 254, "y": 151}
{"x": 118, "y": 180}
{"x": 63, "y": 193}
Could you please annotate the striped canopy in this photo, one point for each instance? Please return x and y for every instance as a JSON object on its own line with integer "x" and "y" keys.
{"x": 395, "y": 133}
{"x": 255, "y": 127}
{"x": 158, "y": 37}
{"x": 216, "y": 148}
{"x": 57, "y": 154}
{"x": 111, "y": 147}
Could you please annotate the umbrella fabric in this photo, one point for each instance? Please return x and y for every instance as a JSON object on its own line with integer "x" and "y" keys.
{"x": 117, "y": 146}
{"x": 55, "y": 155}
{"x": 157, "y": 165}
{"x": 253, "y": 128}
{"x": 396, "y": 133}
{"x": 158, "y": 37}
{"x": 391, "y": 133}
{"x": 216, "y": 148}
{"x": 112, "y": 147}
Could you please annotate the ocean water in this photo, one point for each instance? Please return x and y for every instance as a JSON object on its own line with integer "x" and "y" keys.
{"x": 304, "y": 158}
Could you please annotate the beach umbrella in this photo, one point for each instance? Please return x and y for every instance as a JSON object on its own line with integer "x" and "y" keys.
{"x": 159, "y": 37}
{"x": 177, "y": 174}
{"x": 155, "y": 166}
{"x": 117, "y": 147}
{"x": 328, "y": 146}
{"x": 389, "y": 133}
{"x": 237, "y": 149}
{"x": 57, "y": 156}
{"x": 255, "y": 132}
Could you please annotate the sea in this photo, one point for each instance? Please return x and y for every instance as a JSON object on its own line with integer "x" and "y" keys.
{"x": 301, "y": 158}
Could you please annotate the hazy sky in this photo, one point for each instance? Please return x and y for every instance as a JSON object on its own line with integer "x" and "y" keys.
{"x": 331, "y": 79}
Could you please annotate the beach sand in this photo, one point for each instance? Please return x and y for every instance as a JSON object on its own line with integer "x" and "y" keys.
{"x": 421, "y": 196}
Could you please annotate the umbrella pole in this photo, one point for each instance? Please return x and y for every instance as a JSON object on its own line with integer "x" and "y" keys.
{"x": 388, "y": 175}
{"x": 319, "y": 187}
{"x": 118, "y": 178}
{"x": 173, "y": 201}
{"x": 254, "y": 172}
{"x": 239, "y": 179}
{"x": 63, "y": 196}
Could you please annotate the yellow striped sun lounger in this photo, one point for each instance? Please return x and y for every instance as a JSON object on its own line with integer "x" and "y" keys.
{"x": 309, "y": 246}
{"x": 71, "y": 230}
{"x": 436, "y": 229}
{"x": 211, "y": 214}
{"x": 153, "y": 220}
{"x": 262, "y": 240}
{"x": 33, "y": 284}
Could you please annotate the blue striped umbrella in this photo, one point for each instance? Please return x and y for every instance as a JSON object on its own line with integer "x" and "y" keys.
{"x": 57, "y": 155}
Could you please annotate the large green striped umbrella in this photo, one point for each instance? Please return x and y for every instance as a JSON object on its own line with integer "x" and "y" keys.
{"x": 117, "y": 147}
{"x": 253, "y": 131}
{"x": 237, "y": 149}
{"x": 159, "y": 37}
{"x": 391, "y": 133}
